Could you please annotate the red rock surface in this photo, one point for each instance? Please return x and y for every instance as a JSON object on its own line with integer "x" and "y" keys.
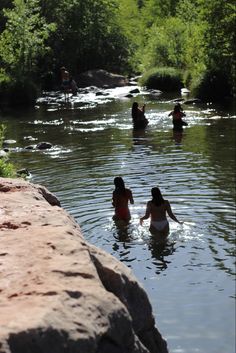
{"x": 58, "y": 293}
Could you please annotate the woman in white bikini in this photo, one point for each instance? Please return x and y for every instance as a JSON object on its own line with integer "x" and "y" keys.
{"x": 157, "y": 209}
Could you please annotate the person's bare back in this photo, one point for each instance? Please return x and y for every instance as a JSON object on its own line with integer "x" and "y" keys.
{"x": 158, "y": 213}
{"x": 121, "y": 200}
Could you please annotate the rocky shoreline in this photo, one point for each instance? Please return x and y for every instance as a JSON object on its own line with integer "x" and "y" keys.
{"x": 60, "y": 294}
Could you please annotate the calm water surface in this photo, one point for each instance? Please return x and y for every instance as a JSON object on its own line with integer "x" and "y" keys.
{"x": 190, "y": 281}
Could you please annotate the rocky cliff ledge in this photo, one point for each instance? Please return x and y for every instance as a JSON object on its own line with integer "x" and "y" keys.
{"x": 58, "y": 293}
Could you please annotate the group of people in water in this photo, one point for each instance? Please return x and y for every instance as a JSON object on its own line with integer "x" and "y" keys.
{"x": 69, "y": 85}
{"x": 140, "y": 121}
{"x": 157, "y": 209}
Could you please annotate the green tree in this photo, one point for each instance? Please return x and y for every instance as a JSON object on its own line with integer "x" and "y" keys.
{"x": 219, "y": 17}
{"x": 130, "y": 20}
{"x": 193, "y": 48}
{"x": 165, "y": 45}
{"x": 23, "y": 41}
{"x": 88, "y": 35}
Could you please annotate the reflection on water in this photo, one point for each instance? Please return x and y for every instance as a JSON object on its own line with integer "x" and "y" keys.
{"x": 190, "y": 278}
{"x": 161, "y": 253}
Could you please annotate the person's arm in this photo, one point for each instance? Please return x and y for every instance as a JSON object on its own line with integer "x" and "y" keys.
{"x": 131, "y": 200}
{"x": 147, "y": 213}
{"x": 113, "y": 200}
{"x": 171, "y": 113}
{"x": 170, "y": 213}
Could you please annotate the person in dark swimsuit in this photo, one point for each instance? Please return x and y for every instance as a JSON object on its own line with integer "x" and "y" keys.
{"x": 120, "y": 198}
{"x": 138, "y": 116}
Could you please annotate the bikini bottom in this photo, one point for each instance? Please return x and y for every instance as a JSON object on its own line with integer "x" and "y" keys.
{"x": 160, "y": 225}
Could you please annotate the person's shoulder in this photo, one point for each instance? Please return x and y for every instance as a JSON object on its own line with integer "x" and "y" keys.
{"x": 166, "y": 203}
{"x": 128, "y": 191}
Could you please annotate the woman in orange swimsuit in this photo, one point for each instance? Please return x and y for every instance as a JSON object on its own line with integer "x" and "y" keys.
{"x": 157, "y": 209}
{"x": 120, "y": 198}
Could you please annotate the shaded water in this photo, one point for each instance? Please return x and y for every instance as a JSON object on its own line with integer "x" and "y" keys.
{"x": 190, "y": 281}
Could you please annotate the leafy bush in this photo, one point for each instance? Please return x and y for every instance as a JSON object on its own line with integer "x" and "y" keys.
{"x": 212, "y": 85}
{"x": 6, "y": 168}
{"x": 165, "y": 79}
{"x": 18, "y": 93}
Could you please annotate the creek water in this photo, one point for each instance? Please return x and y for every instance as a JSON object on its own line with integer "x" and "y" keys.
{"x": 190, "y": 280}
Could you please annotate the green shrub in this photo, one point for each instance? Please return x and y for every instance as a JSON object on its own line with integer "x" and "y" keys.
{"x": 165, "y": 79}
{"x": 212, "y": 85}
{"x": 7, "y": 169}
{"x": 18, "y": 93}
{"x": 2, "y": 131}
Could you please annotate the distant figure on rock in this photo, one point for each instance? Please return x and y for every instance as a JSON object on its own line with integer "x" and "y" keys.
{"x": 120, "y": 199}
{"x": 177, "y": 115}
{"x": 157, "y": 209}
{"x": 138, "y": 117}
{"x": 67, "y": 83}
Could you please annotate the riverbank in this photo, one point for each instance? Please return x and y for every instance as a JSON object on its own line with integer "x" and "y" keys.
{"x": 58, "y": 292}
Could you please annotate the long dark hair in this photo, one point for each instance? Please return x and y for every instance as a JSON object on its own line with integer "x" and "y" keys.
{"x": 157, "y": 197}
{"x": 177, "y": 108}
{"x": 119, "y": 185}
{"x": 134, "y": 110}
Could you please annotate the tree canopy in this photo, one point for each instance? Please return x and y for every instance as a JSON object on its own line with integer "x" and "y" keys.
{"x": 123, "y": 36}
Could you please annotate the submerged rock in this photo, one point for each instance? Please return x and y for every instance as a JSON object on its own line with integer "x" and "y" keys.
{"x": 43, "y": 145}
{"x": 60, "y": 294}
{"x": 23, "y": 172}
{"x": 3, "y": 154}
{"x": 192, "y": 101}
{"x": 8, "y": 142}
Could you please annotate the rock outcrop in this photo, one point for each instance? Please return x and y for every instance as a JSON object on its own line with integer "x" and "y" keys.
{"x": 101, "y": 78}
{"x": 58, "y": 293}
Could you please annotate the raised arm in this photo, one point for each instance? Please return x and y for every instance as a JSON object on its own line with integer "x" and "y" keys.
{"x": 131, "y": 200}
{"x": 170, "y": 213}
{"x": 147, "y": 213}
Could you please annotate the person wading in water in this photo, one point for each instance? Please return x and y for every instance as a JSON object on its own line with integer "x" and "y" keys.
{"x": 120, "y": 198}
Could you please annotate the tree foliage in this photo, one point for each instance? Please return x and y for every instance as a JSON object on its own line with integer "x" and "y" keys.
{"x": 88, "y": 35}
{"x": 22, "y": 41}
{"x": 219, "y": 17}
{"x": 125, "y": 36}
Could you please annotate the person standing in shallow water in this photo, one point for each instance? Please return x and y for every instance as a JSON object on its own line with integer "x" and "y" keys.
{"x": 157, "y": 208}
{"x": 120, "y": 198}
{"x": 177, "y": 115}
{"x": 138, "y": 117}
{"x": 65, "y": 79}
{"x": 67, "y": 82}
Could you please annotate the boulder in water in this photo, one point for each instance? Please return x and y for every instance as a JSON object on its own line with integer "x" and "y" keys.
{"x": 44, "y": 145}
{"x": 101, "y": 78}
